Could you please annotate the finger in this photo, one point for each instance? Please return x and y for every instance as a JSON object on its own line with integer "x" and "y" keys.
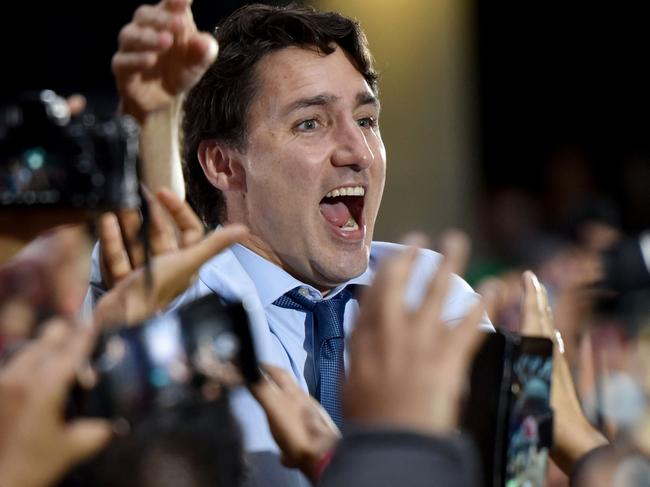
{"x": 391, "y": 280}
{"x": 185, "y": 24}
{"x": 532, "y": 313}
{"x": 548, "y": 327}
{"x": 454, "y": 248}
{"x": 174, "y": 271}
{"x": 67, "y": 359}
{"x": 495, "y": 288}
{"x": 127, "y": 63}
{"x": 134, "y": 38}
{"x": 54, "y": 333}
{"x": 467, "y": 336}
{"x": 284, "y": 380}
{"x": 416, "y": 239}
{"x": 114, "y": 259}
{"x": 161, "y": 234}
{"x": 85, "y": 437}
{"x": 130, "y": 223}
{"x": 200, "y": 52}
{"x": 189, "y": 225}
{"x": 27, "y": 359}
{"x": 155, "y": 17}
{"x": 79, "y": 346}
{"x": 214, "y": 243}
{"x": 457, "y": 239}
{"x": 324, "y": 415}
{"x": 177, "y": 5}
{"x": 266, "y": 392}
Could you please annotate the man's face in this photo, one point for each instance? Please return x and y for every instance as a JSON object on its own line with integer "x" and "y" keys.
{"x": 314, "y": 166}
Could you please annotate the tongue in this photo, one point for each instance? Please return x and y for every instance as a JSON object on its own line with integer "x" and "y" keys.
{"x": 335, "y": 213}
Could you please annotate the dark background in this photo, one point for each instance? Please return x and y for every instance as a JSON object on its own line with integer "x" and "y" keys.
{"x": 563, "y": 87}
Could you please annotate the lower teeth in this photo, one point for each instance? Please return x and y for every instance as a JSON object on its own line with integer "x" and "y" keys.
{"x": 350, "y": 225}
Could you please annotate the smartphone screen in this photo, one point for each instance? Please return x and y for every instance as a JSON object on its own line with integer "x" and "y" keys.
{"x": 530, "y": 414}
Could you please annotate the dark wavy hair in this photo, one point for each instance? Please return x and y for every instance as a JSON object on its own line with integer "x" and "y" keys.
{"x": 217, "y": 107}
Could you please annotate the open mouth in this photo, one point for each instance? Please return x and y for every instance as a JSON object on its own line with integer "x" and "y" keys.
{"x": 343, "y": 207}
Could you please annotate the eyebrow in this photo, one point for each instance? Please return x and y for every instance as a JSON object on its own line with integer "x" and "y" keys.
{"x": 363, "y": 98}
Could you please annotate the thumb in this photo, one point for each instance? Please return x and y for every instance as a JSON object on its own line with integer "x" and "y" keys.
{"x": 175, "y": 271}
{"x": 215, "y": 242}
{"x": 536, "y": 319}
{"x": 201, "y": 51}
{"x": 85, "y": 437}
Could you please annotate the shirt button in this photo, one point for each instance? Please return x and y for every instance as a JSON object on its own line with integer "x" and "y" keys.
{"x": 304, "y": 291}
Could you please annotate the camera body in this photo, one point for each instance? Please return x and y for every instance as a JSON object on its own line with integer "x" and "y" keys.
{"x": 50, "y": 159}
{"x": 168, "y": 360}
{"x": 508, "y": 412}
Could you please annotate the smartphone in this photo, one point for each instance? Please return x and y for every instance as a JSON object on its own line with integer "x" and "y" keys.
{"x": 169, "y": 360}
{"x": 508, "y": 411}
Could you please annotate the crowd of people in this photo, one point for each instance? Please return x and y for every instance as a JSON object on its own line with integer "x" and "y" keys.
{"x": 264, "y": 170}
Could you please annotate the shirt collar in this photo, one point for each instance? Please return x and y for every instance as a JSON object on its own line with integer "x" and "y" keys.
{"x": 271, "y": 281}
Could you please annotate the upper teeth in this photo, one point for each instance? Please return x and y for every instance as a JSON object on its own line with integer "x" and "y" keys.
{"x": 348, "y": 191}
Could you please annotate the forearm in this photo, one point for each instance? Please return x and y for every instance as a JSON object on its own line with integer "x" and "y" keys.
{"x": 160, "y": 149}
{"x": 574, "y": 435}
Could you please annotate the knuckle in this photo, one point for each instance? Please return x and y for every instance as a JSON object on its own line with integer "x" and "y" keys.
{"x": 142, "y": 13}
{"x": 124, "y": 34}
{"x": 116, "y": 63}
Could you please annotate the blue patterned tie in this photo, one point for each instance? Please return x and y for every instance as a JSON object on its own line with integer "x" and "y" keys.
{"x": 328, "y": 323}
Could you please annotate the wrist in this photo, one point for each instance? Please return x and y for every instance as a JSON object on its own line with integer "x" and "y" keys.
{"x": 321, "y": 465}
{"x": 127, "y": 108}
{"x": 574, "y": 440}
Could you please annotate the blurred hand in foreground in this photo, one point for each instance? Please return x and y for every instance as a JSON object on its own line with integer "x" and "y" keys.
{"x": 173, "y": 267}
{"x": 36, "y": 445}
{"x": 301, "y": 427}
{"x": 407, "y": 368}
{"x": 573, "y": 434}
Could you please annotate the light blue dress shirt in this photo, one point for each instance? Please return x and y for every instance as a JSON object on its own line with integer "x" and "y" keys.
{"x": 283, "y": 336}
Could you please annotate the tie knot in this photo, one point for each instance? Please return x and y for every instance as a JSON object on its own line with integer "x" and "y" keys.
{"x": 298, "y": 299}
{"x": 328, "y": 313}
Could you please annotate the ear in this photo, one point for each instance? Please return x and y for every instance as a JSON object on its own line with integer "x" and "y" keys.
{"x": 221, "y": 166}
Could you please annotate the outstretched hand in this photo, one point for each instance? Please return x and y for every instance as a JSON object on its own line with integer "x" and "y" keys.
{"x": 173, "y": 225}
{"x": 573, "y": 434}
{"x": 161, "y": 55}
{"x": 391, "y": 342}
{"x": 301, "y": 427}
{"x": 173, "y": 267}
{"x": 36, "y": 445}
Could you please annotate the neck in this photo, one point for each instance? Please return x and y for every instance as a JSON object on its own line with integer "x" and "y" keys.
{"x": 258, "y": 246}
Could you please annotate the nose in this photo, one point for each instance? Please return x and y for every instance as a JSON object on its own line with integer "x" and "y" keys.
{"x": 352, "y": 147}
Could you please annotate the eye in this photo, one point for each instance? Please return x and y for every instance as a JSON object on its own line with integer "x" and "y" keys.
{"x": 308, "y": 125}
{"x": 367, "y": 122}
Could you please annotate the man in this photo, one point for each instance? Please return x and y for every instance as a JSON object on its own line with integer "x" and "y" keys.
{"x": 280, "y": 133}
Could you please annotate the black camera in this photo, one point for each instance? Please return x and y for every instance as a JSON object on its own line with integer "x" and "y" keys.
{"x": 508, "y": 412}
{"x": 50, "y": 159}
{"x": 170, "y": 360}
